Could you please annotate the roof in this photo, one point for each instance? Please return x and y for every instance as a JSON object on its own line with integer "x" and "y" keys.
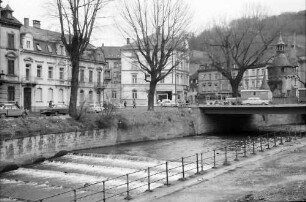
{"x": 112, "y": 52}
{"x": 41, "y": 34}
{"x": 10, "y": 21}
{"x": 281, "y": 60}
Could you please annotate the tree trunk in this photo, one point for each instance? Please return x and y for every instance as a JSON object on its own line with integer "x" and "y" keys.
{"x": 235, "y": 88}
{"x": 74, "y": 87}
{"x": 151, "y": 95}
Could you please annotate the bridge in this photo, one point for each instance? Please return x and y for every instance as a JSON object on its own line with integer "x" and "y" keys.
{"x": 254, "y": 109}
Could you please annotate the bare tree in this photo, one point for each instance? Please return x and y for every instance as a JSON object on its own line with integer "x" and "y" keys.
{"x": 241, "y": 45}
{"x": 157, "y": 32}
{"x": 77, "y": 19}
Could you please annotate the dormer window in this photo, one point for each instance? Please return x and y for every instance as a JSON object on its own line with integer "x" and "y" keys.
{"x": 38, "y": 47}
{"x": 49, "y": 48}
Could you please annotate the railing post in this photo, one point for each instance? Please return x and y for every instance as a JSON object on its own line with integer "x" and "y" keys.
{"x": 149, "y": 182}
{"x": 261, "y": 150}
{"x": 167, "y": 174}
{"x": 104, "y": 194}
{"x": 183, "y": 169}
{"x": 244, "y": 149}
{"x": 253, "y": 143}
{"x": 225, "y": 157}
{"x": 275, "y": 145}
{"x": 214, "y": 158}
{"x": 128, "y": 197}
{"x": 74, "y": 195}
{"x": 268, "y": 139}
{"x": 236, "y": 151}
{"x": 281, "y": 138}
{"x": 197, "y": 160}
{"x": 202, "y": 162}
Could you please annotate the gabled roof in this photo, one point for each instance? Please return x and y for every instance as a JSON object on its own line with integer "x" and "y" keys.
{"x": 112, "y": 52}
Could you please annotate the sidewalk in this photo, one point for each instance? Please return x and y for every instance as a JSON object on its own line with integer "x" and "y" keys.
{"x": 278, "y": 174}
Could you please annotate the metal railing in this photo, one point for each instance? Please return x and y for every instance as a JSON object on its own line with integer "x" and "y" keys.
{"x": 137, "y": 182}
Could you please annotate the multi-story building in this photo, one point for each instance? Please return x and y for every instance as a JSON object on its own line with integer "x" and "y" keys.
{"x": 46, "y": 71}
{"x": 35, "y": 68}
{"x": 174, "y": 86}
{"x": 10, "y": 88}
{"x": 212, "y": 84}
{"x": 252, "y": 78}
{"x": 112, "y": 74}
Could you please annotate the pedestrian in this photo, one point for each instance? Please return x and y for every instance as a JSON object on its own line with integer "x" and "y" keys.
{"x": 134, "y": 103}
{"x": 50, "y": 104}
{"x": 124, "y": 104}
{"x": 17, "y": 104}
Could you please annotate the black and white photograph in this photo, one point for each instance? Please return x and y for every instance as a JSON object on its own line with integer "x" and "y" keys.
{"x": 152, "y": 100}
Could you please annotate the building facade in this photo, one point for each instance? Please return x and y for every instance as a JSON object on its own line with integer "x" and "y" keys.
{"x": 35, "y": 68}
{"x": 10, "y": 88}
{"x": 112, "y": 75}
{"x": 133, "y": 85}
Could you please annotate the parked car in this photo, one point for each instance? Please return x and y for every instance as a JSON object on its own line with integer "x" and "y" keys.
{"x": 93, "y": 108}
{"x": 255, "y": 101}
{"x": 168, "y": 103}
{"x": 11, "y": 110}
{"x": 55, "y": 110}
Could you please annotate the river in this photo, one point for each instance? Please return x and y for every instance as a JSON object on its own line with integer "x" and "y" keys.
{"x": 90, "y": 166}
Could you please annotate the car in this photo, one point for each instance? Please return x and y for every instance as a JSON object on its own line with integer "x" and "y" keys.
{"x": 11, "y": 110}
{"x": 255, "y": 101}
{"x": 55, "y": 110}
{"x": 93, "y": 108}
{"x": 168, "y": 103}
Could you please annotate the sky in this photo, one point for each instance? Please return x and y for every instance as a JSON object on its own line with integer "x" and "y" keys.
{"x": 204, "y": 12}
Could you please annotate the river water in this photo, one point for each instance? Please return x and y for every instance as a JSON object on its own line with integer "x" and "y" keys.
{"x": 86, "y": 167}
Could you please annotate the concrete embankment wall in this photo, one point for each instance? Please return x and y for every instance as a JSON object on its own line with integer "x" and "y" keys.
{"x": 27, "y": 150}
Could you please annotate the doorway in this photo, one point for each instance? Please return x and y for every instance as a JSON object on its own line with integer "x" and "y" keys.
{"x": 27, "y": 98}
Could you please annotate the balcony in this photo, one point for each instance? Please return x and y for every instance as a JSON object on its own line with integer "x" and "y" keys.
{"x": 29, "y": 81}
{"x": 99, "y": 85}
{"x": 4, "y": 78}
{"x": 63, "y": 83}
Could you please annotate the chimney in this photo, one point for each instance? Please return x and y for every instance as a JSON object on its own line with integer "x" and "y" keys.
{"x": 127, "y": 40}
{"x": 26, "y": 22}
{"x": 36, "y": 24}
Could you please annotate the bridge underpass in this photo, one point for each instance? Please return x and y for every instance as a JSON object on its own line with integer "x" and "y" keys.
{"x": 247, "y": 118}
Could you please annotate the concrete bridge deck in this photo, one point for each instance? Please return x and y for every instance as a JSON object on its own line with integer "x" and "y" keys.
{"x": 254, "y": 109}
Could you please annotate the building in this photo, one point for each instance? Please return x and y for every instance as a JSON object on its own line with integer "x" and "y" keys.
{"x": 35, "y": 68}
{"x": 133, "y": 85}
{"x": 112, "y": 75}
{"x": 10, "y": 88}
{"x": 212, "y": 84}
{"x": 252, "y": 78}
{"x": 282, "y": 73}
{"x": 45, "y": 71}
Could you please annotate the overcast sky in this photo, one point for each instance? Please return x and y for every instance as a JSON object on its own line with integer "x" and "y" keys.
{"x": 204, "y": 12}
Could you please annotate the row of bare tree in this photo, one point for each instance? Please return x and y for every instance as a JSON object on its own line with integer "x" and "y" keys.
{"x": 157, "y": 29}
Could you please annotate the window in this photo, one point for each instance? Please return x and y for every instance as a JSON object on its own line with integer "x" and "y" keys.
{"x": 90, "y": 96}
{"x": 114, "y": 94}
{"x": 39, "y": 67}
{"x": 81, "y": 96}
{"x": 263, "y": 71}
{"x": 135, "y": 66}
{"x": 50, "y": 94}
{"x": 38, "y": 47}
{"x": 61, "y": 73}
{"x": 39, "y": 95}
{"x": 116, "y": 65}
{"x": 49, "y": 48}
{"x": 28, "y": 44}
{"x": 90, "y": 75}
{"x": 11, "y": 67}
{"x": 61, "y": 50}
{"x": 11, "y": 41}
{"x": 11, "y": 93}
{"x": 50, "y": 72}
{"x": 134, "y": 78}
{"x": 99, "y": 77}
{"x": 216, "y": 76}
{"x": 61, "y": 95}
{"x": 134, "y": 94}
{"x": 82, "y": 75}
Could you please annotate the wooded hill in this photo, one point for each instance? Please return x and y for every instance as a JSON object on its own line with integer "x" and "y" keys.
{"x": 291, "y": 22}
